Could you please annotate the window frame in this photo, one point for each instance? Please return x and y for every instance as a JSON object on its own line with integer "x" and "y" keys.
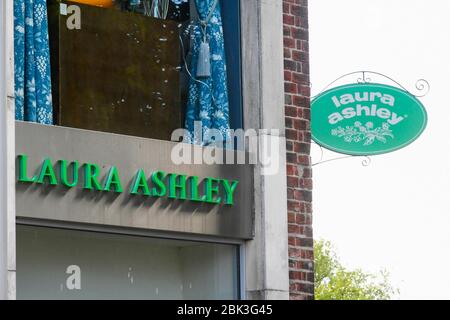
{"x": 162, "y": 235}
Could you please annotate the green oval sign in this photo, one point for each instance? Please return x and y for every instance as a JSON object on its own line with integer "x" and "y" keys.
{"x": 366, "y": 119}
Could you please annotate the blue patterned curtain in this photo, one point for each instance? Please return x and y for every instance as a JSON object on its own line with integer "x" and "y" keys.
{"x": 32, "y": 62}
{"x": 208, "y": 96}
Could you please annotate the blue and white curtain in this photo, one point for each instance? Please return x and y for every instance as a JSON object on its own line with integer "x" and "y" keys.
{"x": 32, "y": 62}
{"x": 208, "y": 97}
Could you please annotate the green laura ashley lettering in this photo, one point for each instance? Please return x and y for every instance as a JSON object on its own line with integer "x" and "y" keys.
{"x": 177, "y": 182}
{"x": 194, "y": 184}
{"x": 47, "y": 172}
{"x": 63, "y": 173}
{"x": 140, "y": 185}
{"x": 212, "y": 191}
{"x": 157, "y": 184}
{"x": 113, "y": 180}
{"x": 229, "y": 190}
{"x": 159, "y": 188}
{"x": 23, "y": 176}
{"x": 91, "y": 173}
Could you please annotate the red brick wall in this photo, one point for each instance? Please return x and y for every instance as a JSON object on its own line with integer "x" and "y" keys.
{"x": 298, "y": 135}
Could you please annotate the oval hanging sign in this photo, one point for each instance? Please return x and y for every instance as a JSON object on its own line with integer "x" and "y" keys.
{"x": 366, "y": 119}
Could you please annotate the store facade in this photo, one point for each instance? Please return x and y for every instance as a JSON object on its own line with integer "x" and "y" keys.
{"x": 104, "y": 206}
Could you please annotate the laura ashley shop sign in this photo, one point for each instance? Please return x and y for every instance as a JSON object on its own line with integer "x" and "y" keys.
{"x": 366, "y": 119}
{"x": 157, "y": 184}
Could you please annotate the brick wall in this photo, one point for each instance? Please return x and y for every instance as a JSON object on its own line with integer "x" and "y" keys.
{"x": 298, "y": 135}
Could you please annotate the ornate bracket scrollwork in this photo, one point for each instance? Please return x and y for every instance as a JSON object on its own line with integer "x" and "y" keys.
{"x": 422, "y": 86}
{"x": 366, "y": 160}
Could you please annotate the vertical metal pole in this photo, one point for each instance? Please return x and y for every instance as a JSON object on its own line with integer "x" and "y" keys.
{"x": 7, "y": 154}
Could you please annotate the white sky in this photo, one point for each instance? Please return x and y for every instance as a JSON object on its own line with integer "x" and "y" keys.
{"x": 394, "y": 214}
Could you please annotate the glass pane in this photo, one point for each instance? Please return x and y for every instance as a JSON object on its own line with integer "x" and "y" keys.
{"x": 120, "y": 68}
{"x": 134, "y": 67}
{"x": 67, "y": 264}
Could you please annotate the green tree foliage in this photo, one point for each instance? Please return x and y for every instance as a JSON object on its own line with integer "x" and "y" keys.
{"x": 334, "y": 282}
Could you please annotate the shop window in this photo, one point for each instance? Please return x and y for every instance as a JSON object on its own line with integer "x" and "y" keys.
{"x": 135, "y": 67}
{"x": 68, "y": 264}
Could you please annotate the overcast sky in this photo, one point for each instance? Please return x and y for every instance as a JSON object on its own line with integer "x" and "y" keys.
{"x": 395, "y": 213}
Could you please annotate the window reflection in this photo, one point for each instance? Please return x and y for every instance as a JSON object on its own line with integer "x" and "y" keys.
{"x": 136, "y": 67}
{"x": 68, "y": 264}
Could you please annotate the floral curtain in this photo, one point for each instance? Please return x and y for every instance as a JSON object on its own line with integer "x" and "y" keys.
{"x": 32, "y": 62}
{"x": 208, "y": 96}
